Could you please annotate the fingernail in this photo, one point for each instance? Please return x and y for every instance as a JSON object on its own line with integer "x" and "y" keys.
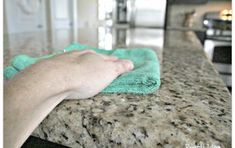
{"x": 129, "y": 65}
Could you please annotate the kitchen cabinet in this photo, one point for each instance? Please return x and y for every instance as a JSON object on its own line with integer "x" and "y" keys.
{"x": 25, "y": 16}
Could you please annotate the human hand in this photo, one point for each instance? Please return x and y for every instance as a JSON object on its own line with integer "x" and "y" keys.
{"x": 31, "y": 94}
{"x": 84, "y": 74}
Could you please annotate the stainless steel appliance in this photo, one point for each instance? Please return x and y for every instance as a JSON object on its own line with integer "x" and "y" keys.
{"x": 219, "y": 52}
{"x": 140, "y": 13}
{"x": 217, "y": 44}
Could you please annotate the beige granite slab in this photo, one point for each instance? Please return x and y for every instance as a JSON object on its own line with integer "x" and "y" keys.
{"x": 191, "y": 108}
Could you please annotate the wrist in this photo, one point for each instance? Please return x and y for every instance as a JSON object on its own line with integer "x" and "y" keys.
{"x": 40, "y": 79}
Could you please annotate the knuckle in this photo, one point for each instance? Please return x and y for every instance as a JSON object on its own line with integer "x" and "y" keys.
{"x": 119, "y": 68}
{"x": 75, "y": 52}
{"x": 89, "y": 50}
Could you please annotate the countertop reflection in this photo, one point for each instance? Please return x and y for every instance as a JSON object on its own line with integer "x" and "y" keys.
{"x": 41, "y": 43}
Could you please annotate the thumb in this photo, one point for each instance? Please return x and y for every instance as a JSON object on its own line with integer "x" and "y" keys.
{"x": 123, "y": 66}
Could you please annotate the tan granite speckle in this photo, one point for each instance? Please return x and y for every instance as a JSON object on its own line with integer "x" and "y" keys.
{"x": 192, "y": 107}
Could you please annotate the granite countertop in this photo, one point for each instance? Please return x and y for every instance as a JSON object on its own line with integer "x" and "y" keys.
{"x": 191, "y": 108}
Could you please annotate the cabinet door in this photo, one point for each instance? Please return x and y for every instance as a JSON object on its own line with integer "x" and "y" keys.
{"x": 25, "y": 15}
{"x": 61, "y": 14}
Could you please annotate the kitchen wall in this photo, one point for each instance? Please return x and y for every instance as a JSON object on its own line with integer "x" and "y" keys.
{"x": 87, "y": 13}
{"x": 20, "y": 16}
{"x": 176, "y": 12}
{"x": 41, "y": 15}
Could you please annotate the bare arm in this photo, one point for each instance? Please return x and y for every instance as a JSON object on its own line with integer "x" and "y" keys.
{"x": 34, "y": 92}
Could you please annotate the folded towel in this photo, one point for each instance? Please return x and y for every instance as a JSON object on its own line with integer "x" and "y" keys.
{"x": 143, "y": 79}
{"x": 9, "y": 72}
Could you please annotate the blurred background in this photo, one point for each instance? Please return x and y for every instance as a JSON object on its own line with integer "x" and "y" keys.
{"x": 38, "y": 15}
{"x": 38, "y": 27}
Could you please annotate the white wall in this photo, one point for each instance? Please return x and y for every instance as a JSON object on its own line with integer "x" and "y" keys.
{"x": 87, "y": 13}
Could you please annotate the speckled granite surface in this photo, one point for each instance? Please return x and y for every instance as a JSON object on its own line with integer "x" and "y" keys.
{"x": 192, "y": 108}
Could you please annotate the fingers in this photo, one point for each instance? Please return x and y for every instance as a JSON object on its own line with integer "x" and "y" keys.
{"x": 105, "y": 57}
{"x": 79, "y": 53}
{"x": 120, "y": 65}
{"x": 123, "y": 66}
{"x": 109, "y": 57}
{"x": 88, "y": 51}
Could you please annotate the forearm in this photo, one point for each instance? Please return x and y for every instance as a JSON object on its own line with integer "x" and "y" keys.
{"x": 17, "y": 130}
{"x": 35, "y": 91}
{"x": 26, "y": 104}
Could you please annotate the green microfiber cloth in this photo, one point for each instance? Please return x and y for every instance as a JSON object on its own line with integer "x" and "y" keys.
{"x": 143, "y": 79}
{"x": 9, "y": 72}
